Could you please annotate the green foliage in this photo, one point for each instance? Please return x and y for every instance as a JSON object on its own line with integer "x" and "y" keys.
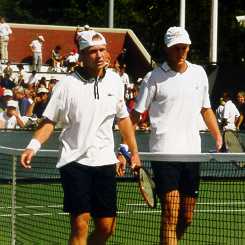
{"x": 147, "y": 18}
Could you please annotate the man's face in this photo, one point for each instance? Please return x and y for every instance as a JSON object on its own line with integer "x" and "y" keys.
{"x": 10, "y": 111}
{"x": 95, "y": 57}
{"x": 177, "y": 54}
{"x": 43, "y": 97}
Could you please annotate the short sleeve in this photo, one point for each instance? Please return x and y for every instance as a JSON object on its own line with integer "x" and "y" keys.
{"x": 54, "y": 109}
{"x": 146, "y": 94}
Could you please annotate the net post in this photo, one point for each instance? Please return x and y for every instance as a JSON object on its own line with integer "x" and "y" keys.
{"x": 13, "y": 206}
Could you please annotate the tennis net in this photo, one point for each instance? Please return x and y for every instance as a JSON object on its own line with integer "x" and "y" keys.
{"x": 31, "y": 202}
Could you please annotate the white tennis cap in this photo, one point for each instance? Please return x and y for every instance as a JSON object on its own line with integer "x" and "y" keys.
{"x": 42, "y": 90}
{"x": 90, "y": 38}
{"x": 12, "y": 103}
{"x": 7, "y": 92}
{"x": 41, "y": 38}
{"x": 175, "y": 35}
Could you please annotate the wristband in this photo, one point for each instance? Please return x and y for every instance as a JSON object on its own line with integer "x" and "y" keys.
{"x": 34, "y": 145}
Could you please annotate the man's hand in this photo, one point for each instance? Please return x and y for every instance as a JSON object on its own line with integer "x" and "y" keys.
{"x": 121, "y": 165}
{"x": 26, "y": 158}
{"x": 219, "y": 143}
{"x": 135, "y": 162}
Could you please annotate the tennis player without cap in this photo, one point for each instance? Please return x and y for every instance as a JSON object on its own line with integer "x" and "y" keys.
{"x": 86, "y": 102}
{"x": 175, "y": 94}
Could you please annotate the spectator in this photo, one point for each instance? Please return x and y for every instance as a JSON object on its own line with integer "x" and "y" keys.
{"x": 42, "y": 83}
{"x": 6, "y": 82}
{"x": 10, "y": 118}
{"x": 32, "y": 81}
{"x": 125, "y": 78}
{"x": 5, "y": 31}
{"x": 36, "y": 47}
{"x": 20, "y": 78}
{"x": 231, "y": 113}
{"x": 240, "y": 104}
{"x": 7, "y": 95}
{"x": 71, "y": 60}
{"x": 56, "y": 59}
{"x": 121, "y": 59}
{"x": 23, "y": 101}
{"x": 52, "y": 83}
{"x": 39, "y": 104}
{"x": 8, "y": 69}
{"x": 220, "y": 112}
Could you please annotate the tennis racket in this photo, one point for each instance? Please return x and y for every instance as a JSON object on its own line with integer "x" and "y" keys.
{"x": 232, "y": 144}
{"x": 146, "y": 183}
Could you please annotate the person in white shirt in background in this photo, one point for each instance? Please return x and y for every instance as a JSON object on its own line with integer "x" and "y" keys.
{"x": 5, "y": 31}
{"x": 220, "y": 112}
{"x": 71, "y": 60}
{"x": 231, "y": 113}
{"x": 36, "y": 47}
{"x": 10, "y": 118}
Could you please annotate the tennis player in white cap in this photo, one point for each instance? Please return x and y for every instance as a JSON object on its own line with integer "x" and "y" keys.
{"x": 85, "y": 103}
{"x": 175, "y": 94}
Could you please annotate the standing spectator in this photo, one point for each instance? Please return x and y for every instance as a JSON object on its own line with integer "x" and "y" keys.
{"x": 39, "y": 104}
{"x": 220, "y": 112}
{"x": 240, "y": 104}
{"x": 5, "y": 31}
{"x": 36, "y": 47}
{"x": 10, "y": 118}
{"x": 175, "y": 94}
{"x": 231, "y": 113}
{"x": 86, "y": 103}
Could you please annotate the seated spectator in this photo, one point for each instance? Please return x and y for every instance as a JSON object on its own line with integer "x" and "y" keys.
{"x": 52, "y": 83}
{"x": 23, "y": 101}
{"x": 71, "y": 60}
{"x": 6, "y": 82}
{"x": 7, "y": 95}
{"x": 42, "y": 83}
{"x": 20, "y": 76}
{"x": 10, "y": 118}
{"x": 8, "y": 70}
{"x": 56, "y": 59}
{"x": 32, "y": 82}
{"x": 39, "y": 104}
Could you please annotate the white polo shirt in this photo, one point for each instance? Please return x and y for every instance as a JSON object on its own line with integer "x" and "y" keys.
{"x": 36, "y": 46}
{"x": 87, "y": 135}
{"x": 230, "y": 113}
{"x": 9, "y": 122}
{"x": 174, "y": 101}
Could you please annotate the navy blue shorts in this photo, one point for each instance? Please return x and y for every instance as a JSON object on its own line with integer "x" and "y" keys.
{"x": 89, "y": 189}
{"x": 184, "y": 177}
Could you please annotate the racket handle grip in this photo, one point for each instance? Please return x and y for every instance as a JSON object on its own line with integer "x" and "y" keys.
{"x": 123, "y": 149}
